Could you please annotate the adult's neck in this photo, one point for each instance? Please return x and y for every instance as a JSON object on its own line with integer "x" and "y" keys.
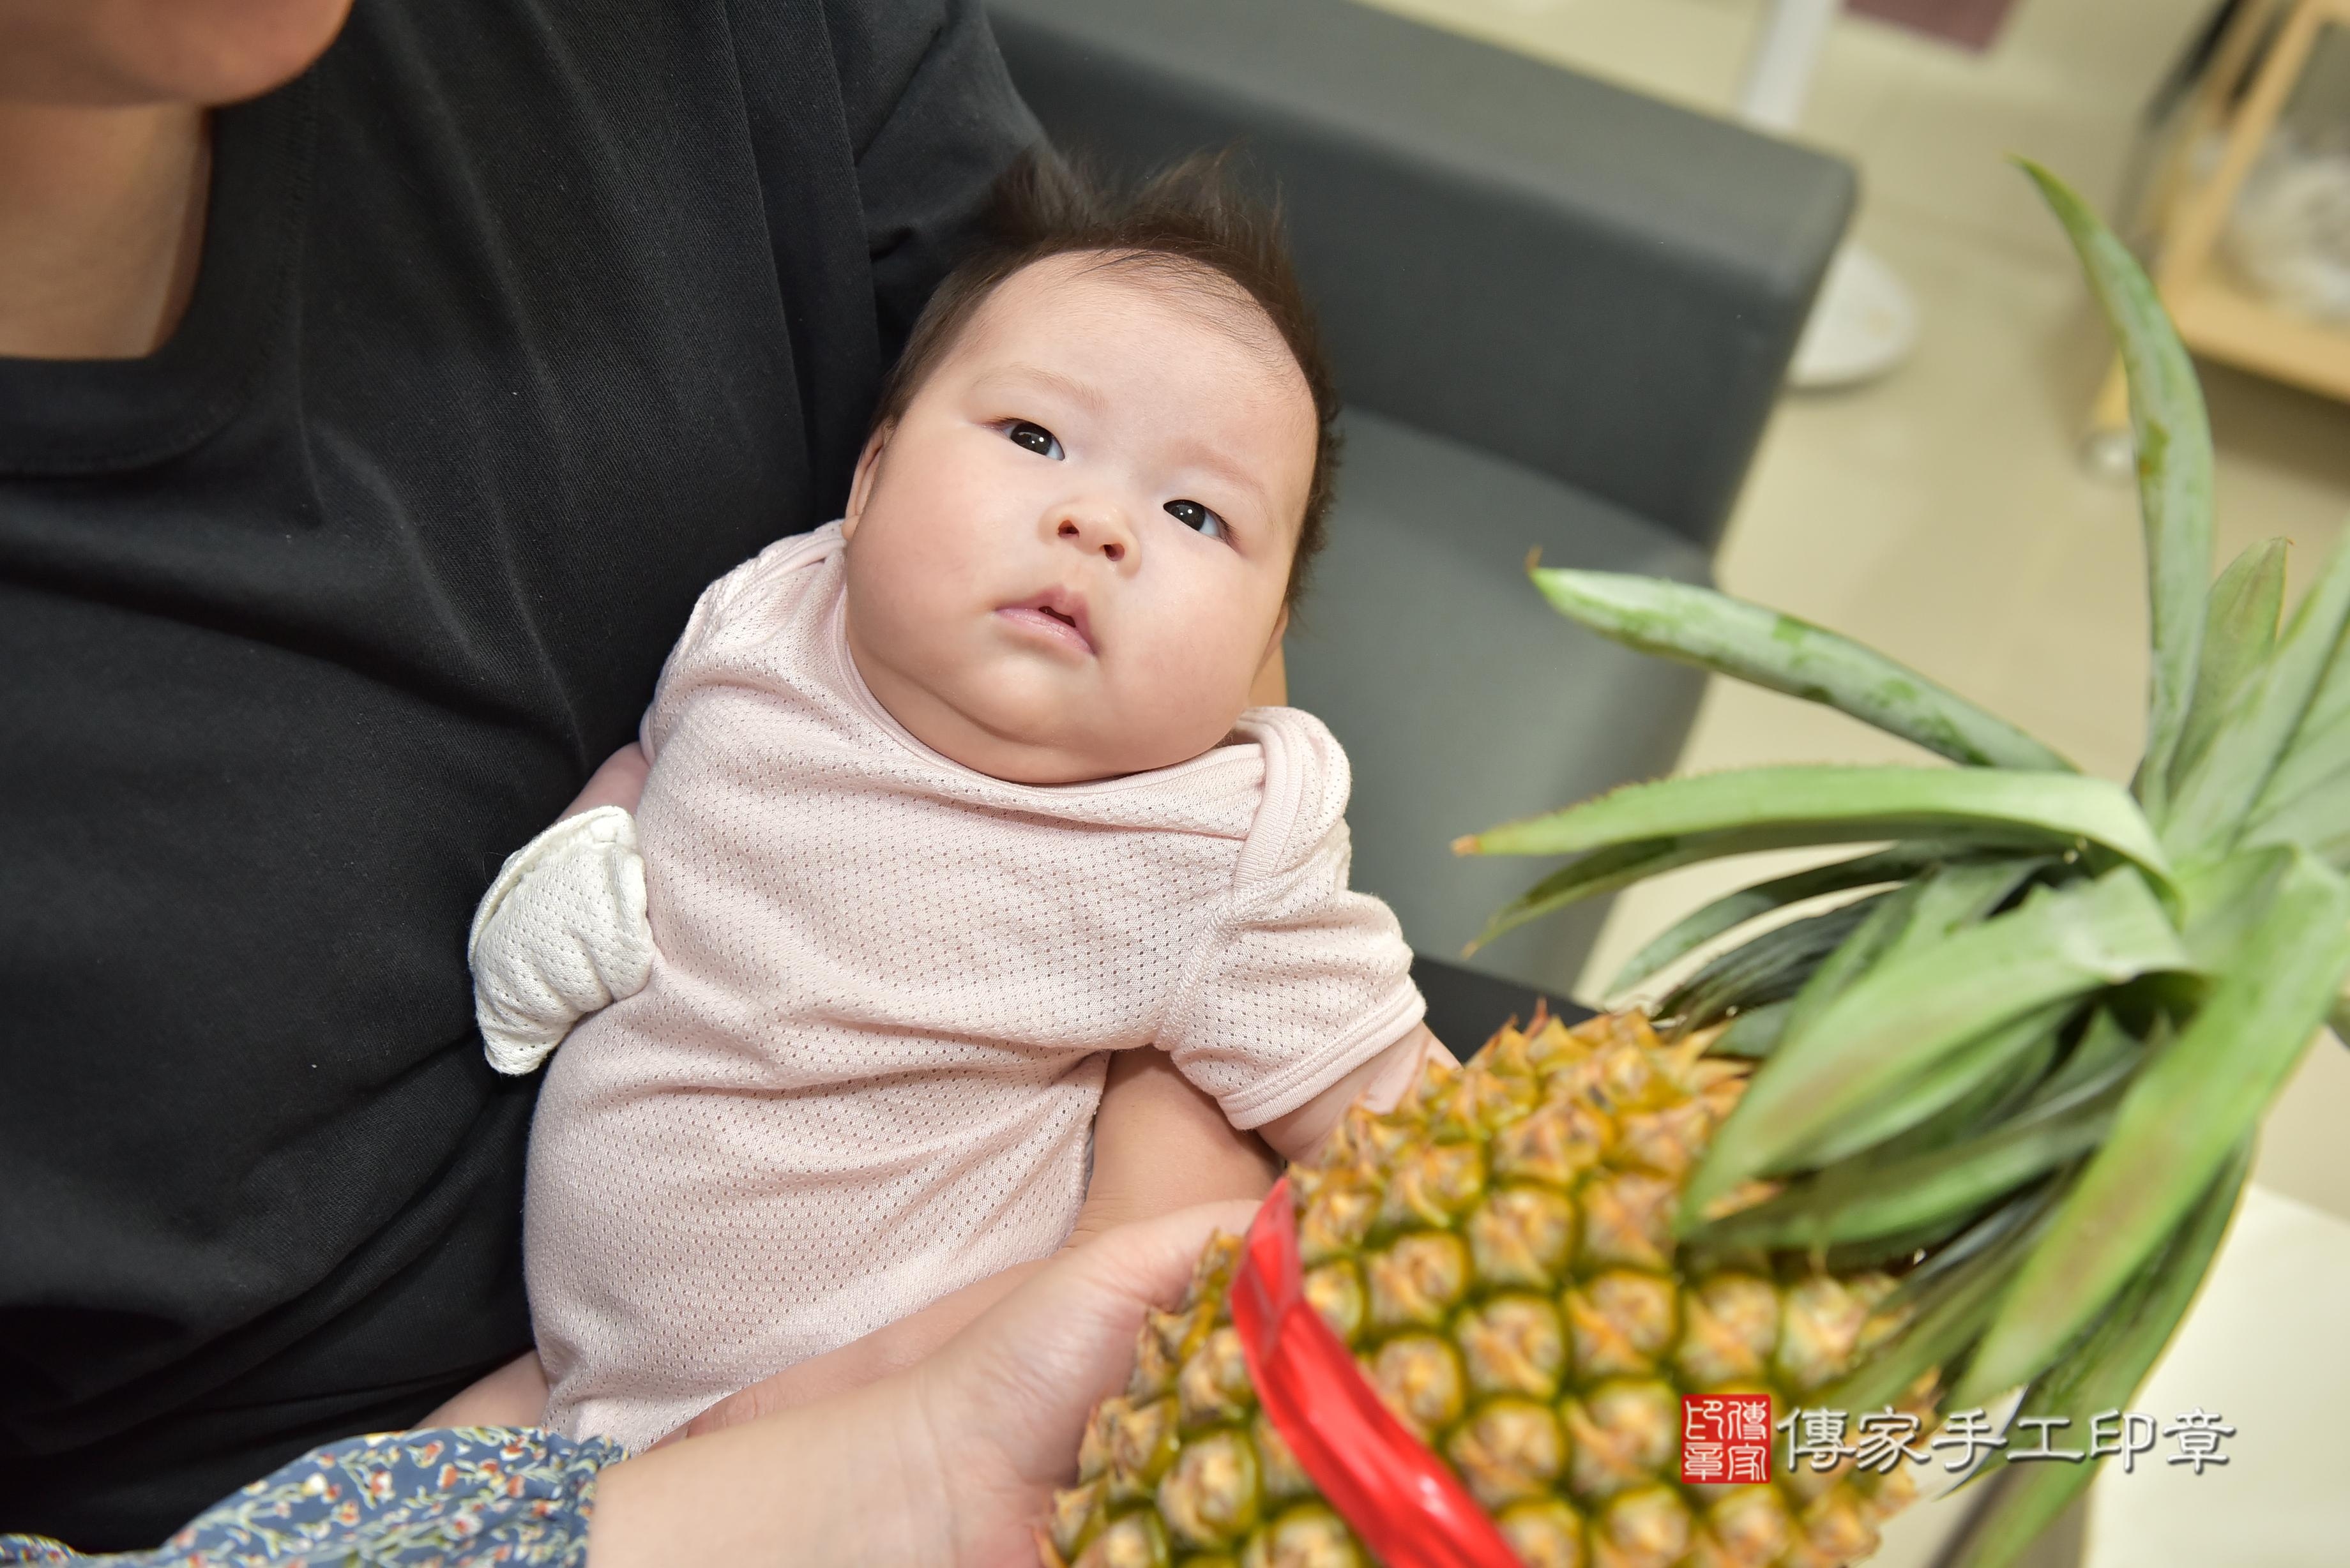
{"x": 102, "y": 222}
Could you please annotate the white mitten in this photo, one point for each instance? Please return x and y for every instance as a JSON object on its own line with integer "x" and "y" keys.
{"x": 561, "y": 933}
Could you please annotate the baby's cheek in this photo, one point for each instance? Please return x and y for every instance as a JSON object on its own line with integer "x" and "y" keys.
{"x": 1199, "y": 682}
{"x": 902, "y": 593}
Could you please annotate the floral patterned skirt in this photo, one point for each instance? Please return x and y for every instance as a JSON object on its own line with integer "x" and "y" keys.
{"x": 461, "y": 1497}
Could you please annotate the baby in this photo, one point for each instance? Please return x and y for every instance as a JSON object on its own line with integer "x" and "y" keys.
{"x": 947, "y": 800}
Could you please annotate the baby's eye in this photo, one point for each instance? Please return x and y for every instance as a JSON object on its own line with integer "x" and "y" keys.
{"x": 1037, "y": 439}
{"x": 1191, "y": 515}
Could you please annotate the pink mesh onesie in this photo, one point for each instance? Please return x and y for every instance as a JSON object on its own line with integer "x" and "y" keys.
{"x": 865, "y": 1068}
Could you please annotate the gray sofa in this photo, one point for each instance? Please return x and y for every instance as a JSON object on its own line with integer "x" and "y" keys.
{"x": 1559, "y": 312}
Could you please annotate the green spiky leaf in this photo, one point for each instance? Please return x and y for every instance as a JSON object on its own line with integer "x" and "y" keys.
{"x": 1946, "y": 1265}
{"x": 2320, "y": 748}
{"x": 1990, "y": 1101}
{"x": 1913, "y": 1195}
{"x": 2318, "y": 820}
{"x": 2174, "y": 470}
{"x": 1764, "y": 648}
{"x": 2239, "y": 634}
{"x": 1916, "y": 1187}
{"x": 1601, "y": 871}
{"x": 1771, "y": 968}
{"x": 2225, "y": 785}
{"x": 1904, "y": 1017}
{"x": 1961, "y": 894}
{"x": 1961, "y": 1074}
{"x": 2306, "y": 800}
{"x": 1886, "y": 921}
{"x": 1828, "y": 804}
{"x": 1923, "y": 910}
{"x": 2105, "y": 1052}
{"x": 2192, "y": 1104}
{"x": 1642, "y": 829}
{"x": 2104, "y": 1374}
{"x": 1754, "y": 1033}
{"x": 1898, "y": 864}
{"x": 1949, "y": 1301}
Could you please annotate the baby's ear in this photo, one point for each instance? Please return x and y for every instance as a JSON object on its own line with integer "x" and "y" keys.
{"x": 860, "y": 489}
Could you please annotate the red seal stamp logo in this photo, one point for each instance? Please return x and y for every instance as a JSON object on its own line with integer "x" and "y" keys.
{"x": 1725, "y": 1438}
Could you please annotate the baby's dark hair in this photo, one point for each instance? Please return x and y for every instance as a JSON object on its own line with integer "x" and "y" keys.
{"x": 1190, "y": 219}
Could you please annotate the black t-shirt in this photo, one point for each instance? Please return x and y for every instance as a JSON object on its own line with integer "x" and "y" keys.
{"x": 518, "y": 322}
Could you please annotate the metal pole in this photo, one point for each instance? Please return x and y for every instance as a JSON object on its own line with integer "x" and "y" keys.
{"x": 1779, "y": 70}
{"x": 1865, "y": 320}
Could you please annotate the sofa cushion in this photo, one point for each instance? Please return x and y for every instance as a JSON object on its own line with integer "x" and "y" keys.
{"x": 1461, "y": 698}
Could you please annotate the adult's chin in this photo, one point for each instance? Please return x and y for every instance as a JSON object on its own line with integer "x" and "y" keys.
{"x": 116, "y": 52}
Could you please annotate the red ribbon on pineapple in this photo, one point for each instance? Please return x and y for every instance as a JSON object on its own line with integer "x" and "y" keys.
{"x": 1400, "y": 1499}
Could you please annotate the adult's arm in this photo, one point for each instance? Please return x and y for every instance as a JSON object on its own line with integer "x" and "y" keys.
{"x": 934, "y": 119}
{"x": 947, "y": 1465}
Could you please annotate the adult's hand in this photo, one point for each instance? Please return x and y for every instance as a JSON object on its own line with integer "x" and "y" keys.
{"x": 950, "y": 1463}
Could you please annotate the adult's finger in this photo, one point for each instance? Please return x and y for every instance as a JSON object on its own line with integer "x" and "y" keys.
{"x": 1026, "y": 1373}
{"x": 1073, "y": 1324}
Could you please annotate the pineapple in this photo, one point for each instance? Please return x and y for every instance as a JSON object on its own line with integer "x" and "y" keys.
{"x": 1498, "y": 1253}
{"x": 1965, "y": 1112}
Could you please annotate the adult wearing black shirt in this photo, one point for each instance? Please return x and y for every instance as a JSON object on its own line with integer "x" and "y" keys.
{"x": 363, "y": 446}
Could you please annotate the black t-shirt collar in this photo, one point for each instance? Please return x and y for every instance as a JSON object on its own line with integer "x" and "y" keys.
{"x": 61, "y": 416}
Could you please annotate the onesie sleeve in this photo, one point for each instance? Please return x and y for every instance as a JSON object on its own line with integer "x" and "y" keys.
{"x": 1301, "y": 979}
{"x": 650, "y": 734}
{"x": 763, "y": 583}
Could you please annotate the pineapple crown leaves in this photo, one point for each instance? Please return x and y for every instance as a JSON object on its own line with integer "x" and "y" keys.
{"x": 2174, "y": 470}
{"x": 1768, "y": 649}
{"x": 2030, "y": 1049}
{"x": 1637, "y": 831}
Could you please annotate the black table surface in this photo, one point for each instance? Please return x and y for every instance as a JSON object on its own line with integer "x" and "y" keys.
{"x": 1465, "y": 1006}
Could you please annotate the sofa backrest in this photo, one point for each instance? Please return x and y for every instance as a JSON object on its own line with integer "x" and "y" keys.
{"x": 1597, "y": 284}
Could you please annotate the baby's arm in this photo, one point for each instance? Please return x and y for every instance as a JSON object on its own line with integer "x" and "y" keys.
{"x": 1159, "y": 1146}
{"x": 619, "y": 782}
{"x": 516, "y": 1393}
{"x": 1378, "y": 1083}
{"x": 512, "y": 1396}
{"x": 563, "y": 932}
{"x": 1162, "y": 1145}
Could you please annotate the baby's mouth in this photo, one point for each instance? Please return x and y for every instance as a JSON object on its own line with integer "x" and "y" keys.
{"x": 1057, "y": 615}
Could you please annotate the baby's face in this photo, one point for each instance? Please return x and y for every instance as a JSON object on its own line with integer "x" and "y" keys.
{"x": 1067, "y": 560}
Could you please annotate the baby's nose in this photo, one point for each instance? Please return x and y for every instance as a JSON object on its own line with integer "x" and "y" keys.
{"x": 1096, "y": 534}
